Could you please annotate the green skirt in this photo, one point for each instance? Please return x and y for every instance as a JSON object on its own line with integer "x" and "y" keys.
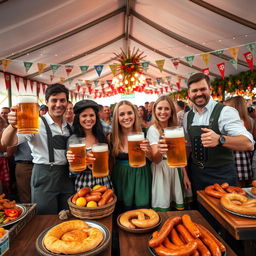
{"x": 132, "y": 185}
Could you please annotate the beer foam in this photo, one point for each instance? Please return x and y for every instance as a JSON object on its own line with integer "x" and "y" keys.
{"x": 77, "y": 145}
{"x": 100, "y": 148}
{"x": 175, "y": 133}
{"x": 135, "y": 137}
{"x": 27, "y": 99}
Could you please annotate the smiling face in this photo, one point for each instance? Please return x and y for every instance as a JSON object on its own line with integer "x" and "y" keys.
{"x": 140, "y": 112}
{"x": 163, "y": 111}
{"x": 57, "y": 105}
{"x": 126, "y": 116}
{"x": 199, "y": 93}
{"x": 87, "y": 118}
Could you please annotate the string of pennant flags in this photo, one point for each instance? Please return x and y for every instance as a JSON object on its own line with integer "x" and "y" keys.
{"x": 248, "y": 55}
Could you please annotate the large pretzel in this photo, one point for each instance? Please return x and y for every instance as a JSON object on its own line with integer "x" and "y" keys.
{"x": 141, "y": 218}
{"x": 72, "y": 237}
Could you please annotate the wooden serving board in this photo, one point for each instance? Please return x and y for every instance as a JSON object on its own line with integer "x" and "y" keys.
{"x": 241, "y": 228}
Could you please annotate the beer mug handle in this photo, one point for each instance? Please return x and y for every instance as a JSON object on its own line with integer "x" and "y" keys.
{"x": 15, "y": 109}
{"x": 89, "y": 164}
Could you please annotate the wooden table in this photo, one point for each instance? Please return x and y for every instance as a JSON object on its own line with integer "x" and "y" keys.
{"x": 137, "y": 244}
{"x": 240, "y": 228}
{"x": 24, "y": 243}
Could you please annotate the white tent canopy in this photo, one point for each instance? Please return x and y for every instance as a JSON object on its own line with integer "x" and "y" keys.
{"x": 84, "y": 32}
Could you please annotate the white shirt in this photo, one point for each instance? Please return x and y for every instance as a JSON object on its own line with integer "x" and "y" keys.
{"x": 229, "y": 121}
{"x": 38, "y": 142}
{"x": 153, "y": 135}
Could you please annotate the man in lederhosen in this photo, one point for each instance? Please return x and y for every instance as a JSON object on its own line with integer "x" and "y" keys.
{"x": 213, "y": 131}
{"x": 50, "y": 182}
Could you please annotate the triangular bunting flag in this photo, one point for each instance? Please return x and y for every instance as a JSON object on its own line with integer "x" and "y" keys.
{"x": 234, "y": 63}
{"x": 17, "y": 81}
{"x": 160, "y": 64}
{"x": 234, "y": 52}
{"x": 190, "y": 60}
{"x": 206, "y": 71}
{"x": 221, "y": 67}
{"x": 98, "y": 69}
{"x": 249, "y": 58}
{"x": 70, "y": 80}
{"x": 219, "y": 52}
{"x": 169, "y": 79}
{"x": 27, "y": 66}
{"x": 51, "y": 77}
{"x": 158, "y": 79}
{"x": 7, "y": 78}
{"x": 54, "y": 68}
{"x": 6, "y": 63}
{"x": 145, "y": 65}
{"x": 68, "y": 69}
{"x": 191, "y": 74}
{"x": 38, "y": 87}
{"x": 41, "y": 67}
{"x": 43, "y": 87}
{"x": 78, "y": 87}
{"x": 148, "y": 80}
{"x": 175, "y": 62}
{"x": 84, "y": 69}
{"x": 62, "y": 80}
{"x": 25, "y": 82}
{"x": 113, "y": 68}
{"x": 31, "y": 85}
{"x": 96, "y": 82}
{"x": 109, "y": 82}
{"x": 251, "y": 47}
{"x": 205, "y": 57}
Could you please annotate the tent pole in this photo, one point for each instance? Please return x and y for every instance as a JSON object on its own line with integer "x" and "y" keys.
{"x": 10, "y": 94}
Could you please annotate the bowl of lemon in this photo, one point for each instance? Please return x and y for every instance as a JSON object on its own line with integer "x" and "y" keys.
{"x": 95, "y": 203}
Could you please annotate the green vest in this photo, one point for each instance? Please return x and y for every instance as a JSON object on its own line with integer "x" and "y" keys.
{"x": 208, "y": 157}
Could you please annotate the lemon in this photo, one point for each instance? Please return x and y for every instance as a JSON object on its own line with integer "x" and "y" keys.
{"x": 91, "y": 204}
{"x": 96, "y": 187}
{"x": 81, "y": 201}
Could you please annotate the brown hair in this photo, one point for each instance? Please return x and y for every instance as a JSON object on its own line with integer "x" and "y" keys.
{"x": 198, "y": 77}
{"x": 238, "y": 102}
{"x": 117, "y": 129}
{"x": 173, "y": 118}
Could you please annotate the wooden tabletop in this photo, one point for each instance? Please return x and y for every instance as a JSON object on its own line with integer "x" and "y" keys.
{"x": 240, "y": 228}
{"x": 137, "y": 244}
{"x": 24, "y": 243}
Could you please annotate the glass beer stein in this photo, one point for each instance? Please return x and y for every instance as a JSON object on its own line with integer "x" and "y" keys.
{"x": 137, "y": 157}
{"x": 78, "y": 148}
{"x": 100, "y": 165}
{"x": 27, "y": 115}
{"x": 176, "y": 154}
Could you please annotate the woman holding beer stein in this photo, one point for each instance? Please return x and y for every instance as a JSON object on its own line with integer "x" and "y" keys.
{"x": 169, "y": 182}
{"x": 88, "y": 132}
{"x": 131, "y": 174}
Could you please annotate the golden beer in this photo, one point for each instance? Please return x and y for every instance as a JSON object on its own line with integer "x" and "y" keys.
{"x": 27, "y": 115}
{"x": 176, "y": 154}
{"x": 137, "y": 157}
{"x": 79, "y": 162}
{"x": 100, "y": 165}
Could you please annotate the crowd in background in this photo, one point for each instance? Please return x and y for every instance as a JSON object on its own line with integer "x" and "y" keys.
{"x": 153, "y": 185}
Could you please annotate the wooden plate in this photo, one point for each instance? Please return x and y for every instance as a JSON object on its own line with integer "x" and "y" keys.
{"x": 138, "y": 230}
{"x": 101, "y": 247}
{"x": 22, "y": 215}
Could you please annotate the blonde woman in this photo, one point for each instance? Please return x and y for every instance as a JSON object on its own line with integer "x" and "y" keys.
{"x": 132, "y": 185}
{"x": 168, "y": 183}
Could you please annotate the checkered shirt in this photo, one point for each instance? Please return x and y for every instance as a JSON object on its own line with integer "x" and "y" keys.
{"x": 85, "y": 179}
{"x": 243, "y": 162}
{"x": 107, "y": 127}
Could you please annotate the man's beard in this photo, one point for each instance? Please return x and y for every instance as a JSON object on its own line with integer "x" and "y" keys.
{"x": 206, "y": 98}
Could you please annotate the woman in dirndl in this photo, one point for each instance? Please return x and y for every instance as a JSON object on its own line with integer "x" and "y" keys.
{"x": 170, "y": 186}
{"x": 132, "y": 184}
{"x": 87, "y": 125}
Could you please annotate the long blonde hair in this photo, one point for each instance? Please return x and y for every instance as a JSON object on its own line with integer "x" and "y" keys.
{"x": 238, "y": 102}
{"x": 117, "y": 129}
{"x": 173, "y": 121}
